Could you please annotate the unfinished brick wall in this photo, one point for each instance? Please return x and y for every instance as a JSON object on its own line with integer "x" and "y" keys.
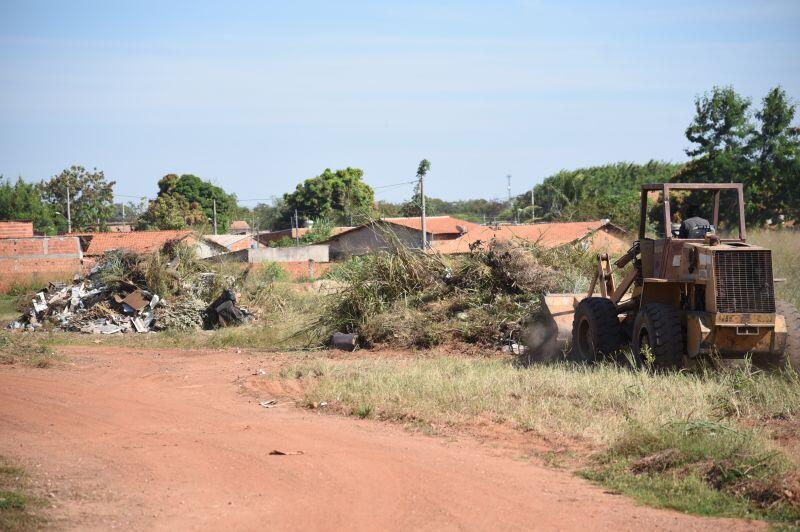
{"x": 296, "y": 270}
{"x": 38, "y": 259}
{"x": 301, "y": 270}
{"x": 16, "y": 229}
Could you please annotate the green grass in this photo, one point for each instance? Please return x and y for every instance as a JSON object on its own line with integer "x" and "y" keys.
{"x": 8, "y": 308}
{"x": 708, "y": 422}
{"x": 29, "y": 349}
{"x": 785, "y": 246}
{"x": 19, "y": 510}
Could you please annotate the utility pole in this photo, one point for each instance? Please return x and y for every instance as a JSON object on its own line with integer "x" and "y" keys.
{"x": 508, "y": 176}
{"x": 123, "y": 212}
{"x": 424, "y": 225}
{"x": 533, "y": 207}
{"x": 422, "y": 170}
{"x": 69, "y": 213}
{"x": 215, "y": 217}
{"x": 296, "y": 228}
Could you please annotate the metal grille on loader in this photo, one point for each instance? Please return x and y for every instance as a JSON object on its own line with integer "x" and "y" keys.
{"x": 744, "y": 281}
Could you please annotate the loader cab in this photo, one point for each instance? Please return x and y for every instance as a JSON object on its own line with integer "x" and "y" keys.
{"x": 673, "y": 214}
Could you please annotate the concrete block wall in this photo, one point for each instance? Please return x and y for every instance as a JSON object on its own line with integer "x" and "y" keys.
{"x": 317, "y": 253}
{"x": 38, "y": 259}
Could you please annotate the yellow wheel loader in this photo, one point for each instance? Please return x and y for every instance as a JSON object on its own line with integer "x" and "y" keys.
{"x": 688, "y": 291}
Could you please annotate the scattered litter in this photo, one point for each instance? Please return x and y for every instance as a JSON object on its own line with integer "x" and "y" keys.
{"x": 223, "y": 312}
{"x": 344, "y": 341}
{"x": 262, "y": 372}
{"x": 269, "y": 404}
{"x": 323, "y": 403}
{"x": 109, "y": 329}
{"x": 515, "y": 348}
{"x": 276, "y": 452}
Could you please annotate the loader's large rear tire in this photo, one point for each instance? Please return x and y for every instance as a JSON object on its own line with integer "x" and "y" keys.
{"x": 596, "y": 331}
{"x": 790, "y": 355}
{"x": 658, "y": 328}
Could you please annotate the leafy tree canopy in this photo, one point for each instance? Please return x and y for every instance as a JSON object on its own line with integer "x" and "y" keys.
{"x": 188, "y": 201}
{"x": 91, "y": 198}
{"x": 608, "y": 191}
{"x": 340, "y": 196}
{"x": 731, "y": 143}
{"x": 23, "y": 201}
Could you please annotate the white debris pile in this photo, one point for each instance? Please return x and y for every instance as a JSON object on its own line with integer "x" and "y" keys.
{"x": 100, "y": 303}
{"x": 90, "y": 307}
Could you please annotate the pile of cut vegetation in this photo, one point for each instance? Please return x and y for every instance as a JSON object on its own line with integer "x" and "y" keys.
{"x": 402, "y": 297}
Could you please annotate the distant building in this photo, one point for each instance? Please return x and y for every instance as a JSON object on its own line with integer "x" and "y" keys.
{"x": 448, "y": 235}
{"x": 96, "y": 244}
{"x": 408, "y": 231}
{"x": 231, "y": 242}
{"x": 239, "y": 227}
{"x": 273, "y": 236}
{"x": 597, "y": 234}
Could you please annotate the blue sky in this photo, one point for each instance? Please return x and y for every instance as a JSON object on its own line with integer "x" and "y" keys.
{"x": 257, "y": 96}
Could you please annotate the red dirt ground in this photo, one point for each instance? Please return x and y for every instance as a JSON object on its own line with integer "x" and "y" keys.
{"x": 167, "y": 440}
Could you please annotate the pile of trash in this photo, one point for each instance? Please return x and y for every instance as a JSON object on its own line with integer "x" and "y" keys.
{"x": 93, "y": 305}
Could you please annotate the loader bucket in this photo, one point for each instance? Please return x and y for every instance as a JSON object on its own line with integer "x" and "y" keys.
{"x": 550, "y": 335}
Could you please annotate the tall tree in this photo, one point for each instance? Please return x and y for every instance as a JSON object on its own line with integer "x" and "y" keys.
{"x": 23, "y": 201}
{"x": 206, "y": 195}
{"x": 774, "y": 189}
{"x": 91, "y": 198}
{"x": 340, "y": 196}
{"x": 720, "y": 133}
{"x": 170, "y": 209}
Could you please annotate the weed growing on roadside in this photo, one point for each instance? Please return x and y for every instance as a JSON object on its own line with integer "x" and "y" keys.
{"x": 682, "y": 440}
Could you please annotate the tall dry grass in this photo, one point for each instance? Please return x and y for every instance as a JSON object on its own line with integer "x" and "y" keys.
{"x": 785, "y": 246}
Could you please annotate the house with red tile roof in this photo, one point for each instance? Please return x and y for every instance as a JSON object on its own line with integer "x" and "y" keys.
{"x": 596, "y": 234}
{"x": 96, "y": 244}
{"x": 448, "y": 235}
{"x": 239, "y": 227}
{"x": 377, "y": 234}
{"x": 273, "y": 236}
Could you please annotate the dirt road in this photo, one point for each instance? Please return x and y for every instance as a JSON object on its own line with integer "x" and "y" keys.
{"x": 167, "y": 440}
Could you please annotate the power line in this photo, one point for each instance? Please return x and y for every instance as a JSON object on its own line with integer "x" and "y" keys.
{"x": 396, "y": 184}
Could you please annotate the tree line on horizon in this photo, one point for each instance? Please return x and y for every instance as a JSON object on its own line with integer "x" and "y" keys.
{"x": 730, "y": 141}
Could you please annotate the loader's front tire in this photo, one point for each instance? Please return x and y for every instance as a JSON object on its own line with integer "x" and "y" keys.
{"x": 596, "y": 331}
{"x": 658, "y": 329}
{"x": 790, "y": 355}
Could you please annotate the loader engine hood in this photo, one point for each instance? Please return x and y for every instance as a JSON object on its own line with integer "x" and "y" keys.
{"x": 738, "y": 276}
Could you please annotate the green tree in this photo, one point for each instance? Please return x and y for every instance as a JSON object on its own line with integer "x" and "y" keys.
{"x": 340, "y": 196}
{"x": 268, "y": 216}
{"x": 720, "y": 132}
{"x": 196, "y": 191}
{"x": 774, "y": 187}
{"x": 91, "y": 198}
{"x": 188, "y": 201}
{"x": 23, "y": 201}
{"x": 609, "y": 191}
{"x": 129, "y": 212}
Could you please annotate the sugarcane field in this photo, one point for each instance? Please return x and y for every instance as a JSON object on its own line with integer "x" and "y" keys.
{"x": 520, "y": 266}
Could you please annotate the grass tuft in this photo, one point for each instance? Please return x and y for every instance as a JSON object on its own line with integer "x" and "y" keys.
{"x": 18, "y": 509}
{"x": 23, "y": 348}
